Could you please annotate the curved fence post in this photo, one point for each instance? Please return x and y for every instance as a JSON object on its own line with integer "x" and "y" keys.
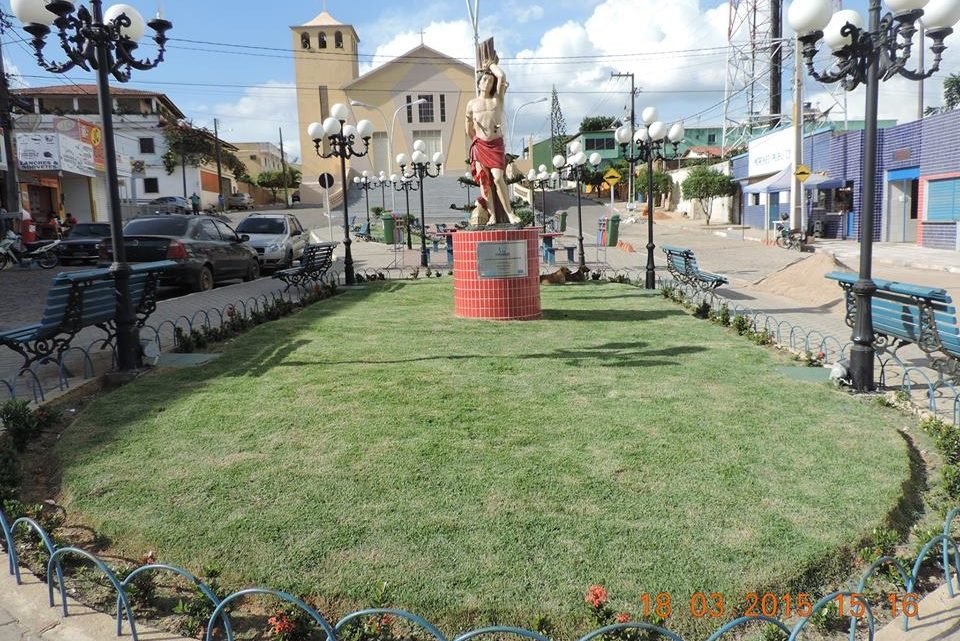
{"x": 736, "y": 623}
{"x": 823, "y": 602}
{"x": 44, "y": 538}
{"x": 219, "y": 611}
{"x": 54, "y": 563}
{"x": 401, "y": 614}
{"x": 599, "y": 632}
{"x": 8, "y": 537}
{"x": 200, "y": 585}
{"x": 908, "y": 582}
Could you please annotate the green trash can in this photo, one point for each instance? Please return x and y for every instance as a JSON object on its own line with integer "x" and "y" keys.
{"x": 613, "y": 230}
{"x": 563, "y": 220}
{"x": 389, "y": 227}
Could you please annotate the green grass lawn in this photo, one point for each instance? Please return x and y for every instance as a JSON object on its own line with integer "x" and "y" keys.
{"x": 488, "y": 472}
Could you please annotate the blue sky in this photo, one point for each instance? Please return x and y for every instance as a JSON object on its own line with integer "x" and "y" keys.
{"x": 676, "y": 48}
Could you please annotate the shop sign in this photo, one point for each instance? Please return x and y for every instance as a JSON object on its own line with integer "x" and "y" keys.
{"x": 76, "y": 157}
{"x": 771, "y": 153}
{"x": 38, "y": 152}
{"x": 87, "y": 133}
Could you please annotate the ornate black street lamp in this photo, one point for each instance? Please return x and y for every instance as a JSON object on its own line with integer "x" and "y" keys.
{"x": 647, "y": 144}
{"x": 106, "y": 42}
{"x": 406, "y": 184}
{"x": 366, "y": 183}
{"x": 342, "y": 138}
{"x": 541, "y": 180}
{"x": 574, "y": 168}
{"x": 467, "y": 185}
{"x": 867, "y": 56}
{"x": 420, "y": 169}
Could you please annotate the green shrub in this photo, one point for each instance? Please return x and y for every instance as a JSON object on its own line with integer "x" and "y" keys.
{"x": 9, "y": 470}
{"x": 20, "y": 423}
{"x": 741, "y": 324}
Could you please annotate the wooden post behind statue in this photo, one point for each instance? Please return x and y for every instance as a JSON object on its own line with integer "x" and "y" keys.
{"x": 488, "y": 161}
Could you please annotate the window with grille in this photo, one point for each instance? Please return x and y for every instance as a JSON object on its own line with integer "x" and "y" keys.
{"x": 151, "y": 186}
{"x": 711, "y": 139}
{"x": 426, "y": 108}
{"x": 443, "y": 108}
{"x": 147, "y": 146}
{"x": 409, "y": 109}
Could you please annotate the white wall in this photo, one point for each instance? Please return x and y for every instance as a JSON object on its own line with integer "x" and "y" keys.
{"x": 722, "y": 207}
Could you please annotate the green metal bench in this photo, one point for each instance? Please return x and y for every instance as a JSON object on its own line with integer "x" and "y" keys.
{"x": 77, "y": 300}
{"x": 906, "y": 314}
{"x": 314, "y": 263}
{"x": 682, "y": 264}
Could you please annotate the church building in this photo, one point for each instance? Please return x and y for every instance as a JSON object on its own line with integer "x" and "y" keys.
{"x": 327, "y": 71}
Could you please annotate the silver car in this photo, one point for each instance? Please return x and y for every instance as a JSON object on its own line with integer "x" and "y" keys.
{"x": 278, "y": 238}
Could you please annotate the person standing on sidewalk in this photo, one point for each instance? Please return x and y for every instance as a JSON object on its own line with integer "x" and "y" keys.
{"x": 195, "y": 203}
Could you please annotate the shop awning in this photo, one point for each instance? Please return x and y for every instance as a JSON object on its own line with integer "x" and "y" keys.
{"x": 781, "y": 181}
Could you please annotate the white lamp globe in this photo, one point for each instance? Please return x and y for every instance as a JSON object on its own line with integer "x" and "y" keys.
{"x": 831, "y": 33}
{"x": 648, "y": 115}
{"x": 137, "y": 25}
{"x": 532, "y": 174}
{"x": 643, "y": 135}
{"x": 559, "y": 161}
{"x": 401, "y": 159}
{"x": 902, "y": 6}
{"x": 339, "y": 111}
{"x": 554, "y": 176}
{"x": 542, "y": 168}
{"x": 331, "y": 126}
{"x": 676, "y": 132}
{"x": 32, "y": 11}
{"x": 365, "y": 173}
{"x": 807, "y": 16}
{"x": 941, "y": 14}
{"x": 315, "y": 131}
{"x": 595, "y": 159}
{"x": 575, "y": 148}
{"x": 579, "y": 159}
{"x": 365, "y": 128}
{"x": 356, "y": 180}
{"x": 393, "y": 178}
{"x": 542, "y": 175}
{"x": 438, "y": 158}
{"x": 419, "y": 145}
{"x": 623, "y": 135}
{"x": 419, "y": 157}
{"x": 658, "y": 131}
{"x": 383, "y": 175}
{"x": 349, "y": 130}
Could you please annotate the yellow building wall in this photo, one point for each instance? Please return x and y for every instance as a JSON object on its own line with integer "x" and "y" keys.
{"x": 328, "y": 76}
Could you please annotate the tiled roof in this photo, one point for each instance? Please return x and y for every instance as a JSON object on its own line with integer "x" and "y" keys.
{"x": 91, "y": 90}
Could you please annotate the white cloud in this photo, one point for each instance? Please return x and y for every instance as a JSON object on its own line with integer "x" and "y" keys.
{"x": 453, "y": 38}
{"x": 525, "y": 14}
{"x": 258, "y": 114}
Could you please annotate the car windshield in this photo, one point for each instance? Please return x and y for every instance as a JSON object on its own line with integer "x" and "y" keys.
{"x": 175, "y": 227}
{"x": 261, "y": 226}
{"x": 83, "y": 230}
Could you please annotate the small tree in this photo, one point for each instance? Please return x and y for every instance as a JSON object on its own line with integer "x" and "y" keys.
{"x": 558, "y": 126}
{"x": 703, "y": 185}
{"x": 273, "y": 181}
{"x": 599, "y": 123}
{"x": 662, "y": 184}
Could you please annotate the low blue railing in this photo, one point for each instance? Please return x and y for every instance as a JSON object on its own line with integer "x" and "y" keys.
{"x": 220, "y": 617}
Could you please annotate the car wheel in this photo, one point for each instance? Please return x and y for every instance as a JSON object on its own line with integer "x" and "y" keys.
{"x": 253, "y": 271}
{"x": 204, "y": 282}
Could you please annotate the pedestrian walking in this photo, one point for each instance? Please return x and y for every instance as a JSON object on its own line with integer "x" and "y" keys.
{"x": 195, "y": 202}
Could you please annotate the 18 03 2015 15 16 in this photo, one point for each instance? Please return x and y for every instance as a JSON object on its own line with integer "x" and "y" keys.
{"x": 770, "y": 604}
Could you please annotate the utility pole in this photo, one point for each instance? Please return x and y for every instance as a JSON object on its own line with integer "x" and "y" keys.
{"x": 796, "y": 187}
{"x": 633, "y": 120}
{"x": 216, "y": 135}
{"x": 776, "y": 62}
{"x": 286, "y": 183}
{"x": 7, "y": 103}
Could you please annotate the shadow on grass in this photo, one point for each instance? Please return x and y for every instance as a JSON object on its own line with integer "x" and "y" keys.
{"x": 616, "y": 315}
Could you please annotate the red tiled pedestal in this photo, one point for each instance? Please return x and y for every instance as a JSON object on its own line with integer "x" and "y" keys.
{"x": 509, "y": 298}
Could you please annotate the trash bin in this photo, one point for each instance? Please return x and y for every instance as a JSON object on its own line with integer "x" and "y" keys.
{"x": 563, "y": 220}
{"x": 818, "y": 229}
{"x": 613, "y": 230}
{"x": 389, "y": 227}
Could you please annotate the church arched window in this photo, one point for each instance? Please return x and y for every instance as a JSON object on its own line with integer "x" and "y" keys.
{"x": 304, "y": 40}
{"x": 323, "y": 40}
{"x": 338, "y": 40}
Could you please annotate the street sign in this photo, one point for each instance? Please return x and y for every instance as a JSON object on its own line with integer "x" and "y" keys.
{"x": 612, "y": 177}
{"x": 326, "y": 181}
{"x": 802, "y": 173}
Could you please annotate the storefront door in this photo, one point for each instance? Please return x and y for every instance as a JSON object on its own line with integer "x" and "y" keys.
{"x": 900, "y": 209}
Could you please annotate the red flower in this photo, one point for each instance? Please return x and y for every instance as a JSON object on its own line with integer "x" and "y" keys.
{"x": 280, "y": 624}
{"x": 623, "y": 617}
{"x": 596, "y": 596}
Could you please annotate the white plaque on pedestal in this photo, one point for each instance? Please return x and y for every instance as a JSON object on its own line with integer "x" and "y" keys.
{"x": 506, "y": 259}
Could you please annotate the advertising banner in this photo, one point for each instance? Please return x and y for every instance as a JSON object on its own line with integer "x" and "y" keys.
{"x": 770, "y": 153}
{"x": 87, "y": 133}
{"x": 38, "y": 152}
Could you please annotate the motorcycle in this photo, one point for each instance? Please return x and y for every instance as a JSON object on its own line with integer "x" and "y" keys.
{"x": 12, "y": 251}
